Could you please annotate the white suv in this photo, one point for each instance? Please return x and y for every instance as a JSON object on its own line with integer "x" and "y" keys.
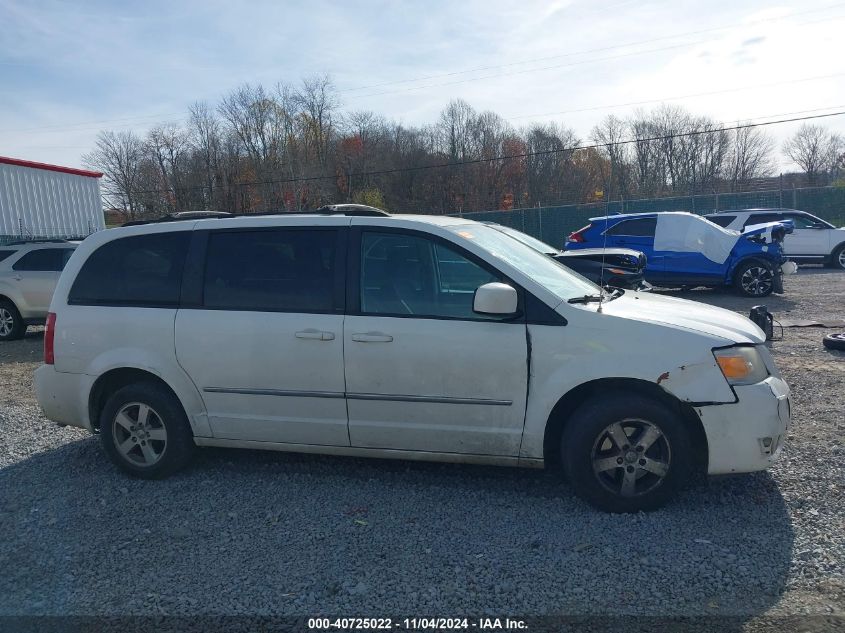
{"x": 812, "y": 241}
{"x": 29, "y": 272}
{"x": 416, "y": 337}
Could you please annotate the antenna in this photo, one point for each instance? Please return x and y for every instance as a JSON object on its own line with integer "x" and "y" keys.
{"x": 604, "y": 235}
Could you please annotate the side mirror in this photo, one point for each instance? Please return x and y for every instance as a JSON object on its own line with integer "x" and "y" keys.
{"x": 495, "y": 298}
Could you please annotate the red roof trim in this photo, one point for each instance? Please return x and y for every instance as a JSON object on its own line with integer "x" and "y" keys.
{"x": 64, "y": 170}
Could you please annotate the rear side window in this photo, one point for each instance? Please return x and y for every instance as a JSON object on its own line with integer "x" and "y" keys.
{"x": 721, "y": 220}
{"x": 280, "y": 270}
{"x": 5, "y": 254}
{"x": 762, "y": 218}
{"x": 639, "y": 227}
{"x": 44, "y": 260}
{"x": 145, "y": 270}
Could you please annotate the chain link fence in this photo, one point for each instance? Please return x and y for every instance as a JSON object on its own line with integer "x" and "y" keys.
{"x": 553, "y": 224}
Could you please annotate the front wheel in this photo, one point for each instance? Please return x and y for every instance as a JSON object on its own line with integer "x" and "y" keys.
{"x": 626, "y": 453}
{"x": 145, "y": 432}
{"x": 755, "y": 278}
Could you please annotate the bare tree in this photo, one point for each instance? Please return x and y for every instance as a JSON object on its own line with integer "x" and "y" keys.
{"x": 119, "y": 156}
{"x": 815, "y": 150}
{"x": 750, "y": 156}
{"x": 168, "y": 146}
{"x": 609, "y": 134}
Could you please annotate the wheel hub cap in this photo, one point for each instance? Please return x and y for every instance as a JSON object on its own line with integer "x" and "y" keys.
{"x": 139, "y": 434}
{"x": 631, "y": 457}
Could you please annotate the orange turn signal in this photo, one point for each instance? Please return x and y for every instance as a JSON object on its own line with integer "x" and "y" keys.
{"x": 734, "y": 366}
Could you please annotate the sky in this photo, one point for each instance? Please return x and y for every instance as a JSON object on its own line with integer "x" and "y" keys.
{"x": 70, "y": 68}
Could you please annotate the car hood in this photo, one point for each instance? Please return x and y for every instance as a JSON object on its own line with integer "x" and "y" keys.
{"x": 681, "y": 313}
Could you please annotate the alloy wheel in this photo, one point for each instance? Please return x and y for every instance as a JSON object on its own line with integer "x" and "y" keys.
{"x": 7, "y": 322}
{"x": 757, "y": 280}
{"x": 841, "y": 258}
{"x": 631, "y": 457}
{"x": 139, "y": 434}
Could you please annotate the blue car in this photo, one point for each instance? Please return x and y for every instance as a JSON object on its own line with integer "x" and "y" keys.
{"x": 684, "y": 249}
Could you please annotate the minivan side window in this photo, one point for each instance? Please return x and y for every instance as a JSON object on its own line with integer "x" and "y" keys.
{"x": 144, "y": 270}
{"x": 403, "y": 274}
{"x": 44, "y": 260}
{"x": 638, "y": 227}
{"x": 279, "y": 270}
{"x": 5, "y": 254}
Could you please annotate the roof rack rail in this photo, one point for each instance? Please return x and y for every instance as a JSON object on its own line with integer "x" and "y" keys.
{"x": 351, "y": 210}
{"x": 180, "y": 216}
{"x": 45, "y": 240}
{"x": 358, "y": 210}
{"x": 362, "y": 210}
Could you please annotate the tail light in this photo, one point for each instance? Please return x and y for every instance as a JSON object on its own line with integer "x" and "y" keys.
{"x": 49, "y": 336}
{"x": 578, "y": 236}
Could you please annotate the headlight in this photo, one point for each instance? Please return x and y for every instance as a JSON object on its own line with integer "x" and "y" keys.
{"x": 741, "y": 365}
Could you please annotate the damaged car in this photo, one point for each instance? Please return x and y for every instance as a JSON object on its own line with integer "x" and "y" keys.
{"x": 686, "y": 250}
{"x": 363, "y": 334}
{"x": 613, "y": 267}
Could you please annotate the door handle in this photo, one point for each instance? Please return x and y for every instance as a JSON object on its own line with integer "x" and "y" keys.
{"x": 315, "y": 335}
{"x": 372, "y": 337}
{"x": 17, "y": 277}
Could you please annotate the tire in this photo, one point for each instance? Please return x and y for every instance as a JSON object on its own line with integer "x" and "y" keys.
{"x": 834, "y": 341}
{"x": 837, "y": 258}
{"x": 591, "y": 457}
{"x": 12, "y": 326}
{"x": 155, "y": 450}
{"x": 755, "y": 278}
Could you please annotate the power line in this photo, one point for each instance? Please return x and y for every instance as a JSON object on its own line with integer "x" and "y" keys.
{"x": 79, "y": 127}
{"x": 553, "y": 67}
{"x": 476, "y": 161}
{"x": 689, "y": 96}
{"x": 592, "y": 50}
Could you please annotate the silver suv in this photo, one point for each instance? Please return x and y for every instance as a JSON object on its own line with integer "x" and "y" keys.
{"x": 29, "y": 272}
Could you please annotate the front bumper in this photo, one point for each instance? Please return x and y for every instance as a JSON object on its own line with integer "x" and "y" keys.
{"x": 748, "y": 435}
{"x": 63, "y": 397}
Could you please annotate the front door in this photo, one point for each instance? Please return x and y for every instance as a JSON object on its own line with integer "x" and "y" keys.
{"x": 810, "y": 236}
{"x": 423, "y": 371}
{"x": 265, "y": 348}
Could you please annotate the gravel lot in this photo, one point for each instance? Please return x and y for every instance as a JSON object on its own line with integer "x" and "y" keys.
{"x": 274, "y": 533}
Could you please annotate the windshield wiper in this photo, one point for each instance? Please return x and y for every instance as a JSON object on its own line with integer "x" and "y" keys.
{"x": 585, "y": 299}
{"x": 607, "y": 296}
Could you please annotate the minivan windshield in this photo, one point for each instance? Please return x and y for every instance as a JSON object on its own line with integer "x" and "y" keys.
{"x": 526, "y": 239}
{"x": 555, "y": 277}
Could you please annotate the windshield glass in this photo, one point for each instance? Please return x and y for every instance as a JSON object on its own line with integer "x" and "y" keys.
{"x": 541, "y": 268}
{"x": 526, "y": 239}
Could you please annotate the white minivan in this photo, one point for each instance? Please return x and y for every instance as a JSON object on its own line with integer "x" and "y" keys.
{"x": 354, "y": 332}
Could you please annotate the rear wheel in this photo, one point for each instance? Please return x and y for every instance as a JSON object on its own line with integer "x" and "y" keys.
{"x": 837, "y": 259}
{"x": 626, "y": 453}
{"x": 145, "y": 431}
{"x": 12, "y": 325}
{"x": 755, "y": 278}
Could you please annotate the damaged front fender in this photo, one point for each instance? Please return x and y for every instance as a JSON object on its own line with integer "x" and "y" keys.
{"x": 697, "y": 384}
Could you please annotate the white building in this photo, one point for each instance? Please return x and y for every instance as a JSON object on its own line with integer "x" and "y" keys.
{"x": 48, "y": 201}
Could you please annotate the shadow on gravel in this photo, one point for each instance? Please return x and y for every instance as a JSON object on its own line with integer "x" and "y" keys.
{"x": 725, "y": 298}
{"x": 246, "y": 532}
